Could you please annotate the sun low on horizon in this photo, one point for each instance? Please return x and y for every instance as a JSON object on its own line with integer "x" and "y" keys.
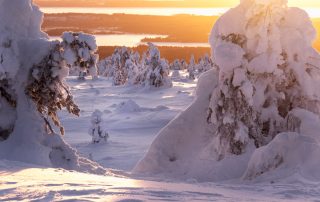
{"x": 167, "y": 3}
{"x": 295, "y": 3}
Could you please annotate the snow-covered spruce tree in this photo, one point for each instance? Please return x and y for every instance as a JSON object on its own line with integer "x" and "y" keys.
{"x": 176, "y": 65}
{"x": 80, "y": 53}
{"x": 32, "y": 88}
{"x": 267, "y": 68}
{"x": 156, "y": 71}
{"x": 184, "y": 64}
{"x": 136, "y": 58}
{"x": 97, "y": 133}
{"x": 141, "y": 70}
{"x": 264, "y": 87}
{"x": 192, "y": 68}
{"x": 205, "y": 64}
{"x": 46, "y": 87}
{"x": 132, "y": 69}
{"x": 119, "y": 59}
{"x": 105, "y": 67}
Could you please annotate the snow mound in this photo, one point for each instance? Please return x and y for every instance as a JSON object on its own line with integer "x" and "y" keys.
{"x": 64, "y": 156}
{"x": 181, "y": 149}
{"x": 287, "y": 155}
{"x": 175, "y": 74}
{"x": 290, "y": 154}
{"x": 128, "y": 106}
{"x": 131, "y": 106}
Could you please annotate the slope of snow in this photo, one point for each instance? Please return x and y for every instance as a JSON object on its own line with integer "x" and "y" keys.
{"x": 181, "y": 149}
{"x": 19, "y": 182}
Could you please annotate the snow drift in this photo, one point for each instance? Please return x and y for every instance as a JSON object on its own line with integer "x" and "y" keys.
{"x": 257, "y": 114}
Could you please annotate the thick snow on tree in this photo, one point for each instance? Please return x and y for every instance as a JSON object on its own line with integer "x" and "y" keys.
{"x": 156, "y": 70}
{"x": 80, "y": 53}
{"x": 32, "y": 90}
{"x": 179, "y": 65}
{"x": 192, "y": 68}
{"x": 176, "y": 65}
{"x": 133, "y": 70}
{"x": 119, "y": 60}
{"x": 255, "y": 104}
{"x": 123, "y": 66}
{"x": 266, "y": 63}
{"x": 46, "y": 87}
{"x": 126, "y": 68}
{"x": 205, "y": 64}
{"x": 96, "y": 131}
{"x": 105, "y": 67}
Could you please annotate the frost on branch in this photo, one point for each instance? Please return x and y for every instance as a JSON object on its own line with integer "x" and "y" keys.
{"x": 47, "y": 87}
{"x": 267, "y": 67}
{"x": 33, "y": 89}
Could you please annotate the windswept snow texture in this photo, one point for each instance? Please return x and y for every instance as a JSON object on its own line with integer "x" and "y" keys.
{"x": 131, "y": 115}
{"x": 19, "y": 183}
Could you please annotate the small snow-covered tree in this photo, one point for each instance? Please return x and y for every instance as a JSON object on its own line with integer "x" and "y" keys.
{"x": 205, "y": 64}
{"x": 96, "y": 131}
{"x": 184, "y": 64}
{"x": 156, "y": 71}
{"x": 192, "y": 68}
{"x": 105, "y": 67}
{"x": 267, "y": 67}
{"x": 176, "y": 65}
{"x": 132, "y": 71}
{"x": 136, "y": 58}
{"x": 119, "y": 59}
{"x": 80, "y": 53}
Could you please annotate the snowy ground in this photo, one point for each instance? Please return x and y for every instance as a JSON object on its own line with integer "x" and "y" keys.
{"x": 36, "y": 184}
{"x": 132, "y": 127}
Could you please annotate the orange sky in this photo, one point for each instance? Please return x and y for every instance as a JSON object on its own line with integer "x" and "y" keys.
{"x": 164, "y": 3}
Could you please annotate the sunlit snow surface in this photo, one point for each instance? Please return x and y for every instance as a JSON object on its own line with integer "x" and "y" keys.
{"x": 132, "y": 126}
{"x": 18, "y": 183}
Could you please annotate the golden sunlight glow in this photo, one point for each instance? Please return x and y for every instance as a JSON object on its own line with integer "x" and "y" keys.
{"x": 158, "y": 8}
{"x": 164, "y": 3}
{"x": 299, "y": 3}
